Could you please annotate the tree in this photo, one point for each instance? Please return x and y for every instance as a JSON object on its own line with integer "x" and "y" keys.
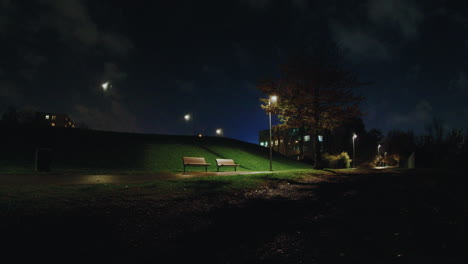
{"x": 10, "y": 116}
{"x": 315, "y": 93}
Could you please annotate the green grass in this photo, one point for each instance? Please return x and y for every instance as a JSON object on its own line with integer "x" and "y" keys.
{"x": 88, "y": 151}
{"x": 31, "y": 199}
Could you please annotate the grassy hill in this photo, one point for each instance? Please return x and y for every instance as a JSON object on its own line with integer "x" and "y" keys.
{"x": 76, "y": 150}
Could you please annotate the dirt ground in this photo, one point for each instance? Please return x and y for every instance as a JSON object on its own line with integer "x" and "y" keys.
{"x": 385, "y": 217}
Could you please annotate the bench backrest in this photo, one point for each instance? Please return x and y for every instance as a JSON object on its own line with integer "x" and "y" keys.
{"x": 194, "y": 160}
{"x": 225, "y": 162}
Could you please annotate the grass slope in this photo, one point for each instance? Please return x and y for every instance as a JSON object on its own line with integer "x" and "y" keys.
{"x": 77, "y": 150}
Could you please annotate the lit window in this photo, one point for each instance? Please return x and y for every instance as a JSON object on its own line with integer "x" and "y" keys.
{"x": 52, "y": 124}
{"x": 47, "y": 117}
{"x": 54, "y": 117}
{"x": 262, "y": 144}
{"x": 307, "y": 138}
{"x": 320, "y": 138}
{"x": 276, "y": 142}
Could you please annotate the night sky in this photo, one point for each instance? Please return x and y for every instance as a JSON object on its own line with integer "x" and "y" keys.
{"x": 168, "y": 58}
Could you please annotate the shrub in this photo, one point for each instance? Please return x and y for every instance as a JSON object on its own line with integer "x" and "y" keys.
{"x": 339, "y": 161}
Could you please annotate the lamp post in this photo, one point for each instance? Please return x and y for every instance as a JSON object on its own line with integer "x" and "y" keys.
{"x": 354, "y": 151}
{"x": 188, "y": 118}
{"x": 378, "y": 150}
{"x": 271, "y": 101}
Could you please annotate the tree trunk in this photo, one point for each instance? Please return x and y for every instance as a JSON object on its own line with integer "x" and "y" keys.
{"x": 301, "y": 142}
{"x": 318, "y": 153}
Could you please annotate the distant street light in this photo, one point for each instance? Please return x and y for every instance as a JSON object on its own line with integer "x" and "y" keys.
{"x": 106, "y": 86}
{"x": 354, "y": 152}
{"x": 188, "y": 118}
{"x": 378, "y": 150}
{"x": 272, "y": 100}
{"x": 219, "y": 132}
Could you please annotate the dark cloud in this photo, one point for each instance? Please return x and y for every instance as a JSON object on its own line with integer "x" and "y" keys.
{"x": 9, "y": 92}
{"x": 460, "y": 83}
{"x": 405, "y": 15}
{"x": 360, "y": 43}
{"x": 114, "y": 118}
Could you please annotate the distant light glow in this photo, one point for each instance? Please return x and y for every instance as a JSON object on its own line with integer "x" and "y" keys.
{"x": 47, "y": 117}
{"x": 219, "y": 131}
{"x": 306, "y": 138}
{"x": 320, "y": 138}
{"x": 262, "y": 144}
{"x": 200, "y": 135}
{"x": 187, "y": 117}
{"x": 355, "y": 136}
{"x": 105, "y": 86}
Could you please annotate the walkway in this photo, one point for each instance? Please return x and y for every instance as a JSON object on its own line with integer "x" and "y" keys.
{"x": 65, "y": 179}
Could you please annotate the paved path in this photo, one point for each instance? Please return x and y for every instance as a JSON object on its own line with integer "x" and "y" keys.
{"x": 64, "y": 179}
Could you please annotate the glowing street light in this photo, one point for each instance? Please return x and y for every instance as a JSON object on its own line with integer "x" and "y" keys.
{"x": 272, "y": 100}
{"x": 354, "y": 152}
{"x": 188, "y": 118}
{"x": 106, "y": 86}
{"x": 219, "y": 132}
{"x": 378, "y": 150}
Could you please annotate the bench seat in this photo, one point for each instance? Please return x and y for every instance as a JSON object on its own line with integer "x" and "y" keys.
{"x": 226, "y": 162}
{"x": 195, "y": 161}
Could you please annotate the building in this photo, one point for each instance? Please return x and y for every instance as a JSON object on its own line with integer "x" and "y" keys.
{"x": 289, "y": 143}
{"x": 54, "y": 119}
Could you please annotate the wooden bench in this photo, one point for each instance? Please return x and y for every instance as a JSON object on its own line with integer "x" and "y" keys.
{"x": 195, "y": 161}
{"x": 226, "y": 162}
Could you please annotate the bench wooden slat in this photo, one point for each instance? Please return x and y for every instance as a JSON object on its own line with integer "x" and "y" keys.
{"x": 226, "y": 162}
{"x": 195, "y": 161}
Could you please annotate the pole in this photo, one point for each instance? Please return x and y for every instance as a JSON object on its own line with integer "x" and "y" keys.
{"x": 354, "y": 155}
{"x": 270, "y": 143}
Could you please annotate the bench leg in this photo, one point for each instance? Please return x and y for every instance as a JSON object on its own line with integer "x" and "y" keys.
{"x": 218, "y": 169}
{"x": 206, "y": 168}
{"x": 235, "y": 168}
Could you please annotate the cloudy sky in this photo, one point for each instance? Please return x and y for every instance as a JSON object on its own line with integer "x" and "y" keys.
{"x": 168, "y": 58}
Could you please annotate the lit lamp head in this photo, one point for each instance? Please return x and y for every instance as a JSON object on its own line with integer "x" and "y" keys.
{"x": 354, "y": 136}
{"x": 187, "y": 117}
{"x": 273, "y": 99}
{"x": 105, "y": 86}
{"x": 219, "y": 131}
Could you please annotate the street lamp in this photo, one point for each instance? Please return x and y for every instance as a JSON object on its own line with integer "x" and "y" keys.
{"x": 354, "y": 151}
{"x": 271, "y": 100}
{"x": 105, "y": 86}
{"x": 219, "y": 132}
{"x": 188, "y": 118}
{"x": 378, "y": 150}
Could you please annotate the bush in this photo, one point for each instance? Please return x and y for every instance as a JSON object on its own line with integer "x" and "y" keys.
{"x": 339, "y": 161}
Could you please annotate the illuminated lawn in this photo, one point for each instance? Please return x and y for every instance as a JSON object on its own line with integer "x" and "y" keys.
{"x": 97, "y": 151}
{"x": 373, "y": 216}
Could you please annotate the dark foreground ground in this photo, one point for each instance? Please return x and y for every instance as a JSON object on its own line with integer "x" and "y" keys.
{"x": 377, "y": 217}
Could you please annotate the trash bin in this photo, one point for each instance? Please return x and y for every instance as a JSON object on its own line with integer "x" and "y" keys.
{"x": 43, "y": 159}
